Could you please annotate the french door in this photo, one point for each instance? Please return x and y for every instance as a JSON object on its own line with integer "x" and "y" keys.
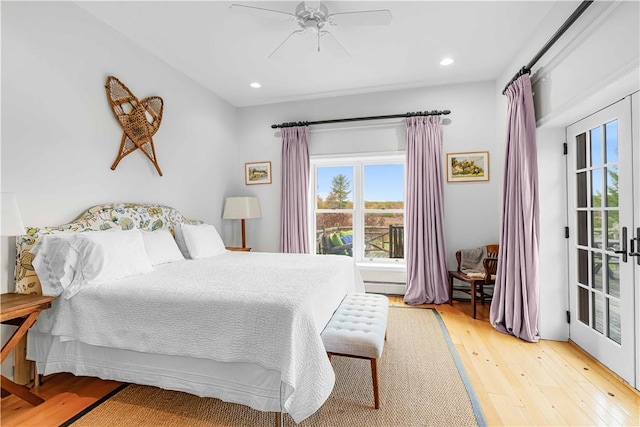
{"x": 602, "y": 264}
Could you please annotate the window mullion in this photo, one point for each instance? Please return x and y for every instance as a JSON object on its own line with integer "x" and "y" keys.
{"x": 358, "y": 217}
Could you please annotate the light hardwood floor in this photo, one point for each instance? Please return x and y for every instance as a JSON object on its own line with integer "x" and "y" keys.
{"x": 517, "y": 383}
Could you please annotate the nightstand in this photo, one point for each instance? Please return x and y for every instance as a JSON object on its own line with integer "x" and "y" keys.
{"x": 236, "y": 249}
{"x": 20, "y": 310}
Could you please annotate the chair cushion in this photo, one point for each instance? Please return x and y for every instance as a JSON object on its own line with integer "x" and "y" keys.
{"x": 358, "y": 326}
{"x": 335, "y": 239}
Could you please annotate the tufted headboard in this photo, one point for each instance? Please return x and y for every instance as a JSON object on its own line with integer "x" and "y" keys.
{"x": 102, "y": 217}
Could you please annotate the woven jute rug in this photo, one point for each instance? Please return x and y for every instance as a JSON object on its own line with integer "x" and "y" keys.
{"x": 422, "y": 382}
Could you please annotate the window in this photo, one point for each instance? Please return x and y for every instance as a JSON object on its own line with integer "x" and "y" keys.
{"x": 358, "y": 207}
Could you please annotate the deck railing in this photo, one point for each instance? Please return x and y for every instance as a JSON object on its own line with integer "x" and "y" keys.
{"x": 380, "y": 241}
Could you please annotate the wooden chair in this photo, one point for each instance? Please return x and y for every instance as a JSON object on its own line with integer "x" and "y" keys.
{"x": 476, "y": 284}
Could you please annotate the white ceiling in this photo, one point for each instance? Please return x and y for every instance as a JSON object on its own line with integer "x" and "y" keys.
{"x": 224, "y": 51}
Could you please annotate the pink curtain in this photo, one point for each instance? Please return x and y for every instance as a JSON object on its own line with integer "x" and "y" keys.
{"x": 514, "y": 309}
{"x": 426, "y": 251}
{"x": 294, "y": 236}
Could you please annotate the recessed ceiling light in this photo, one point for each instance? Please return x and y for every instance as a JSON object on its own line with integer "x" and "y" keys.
{"x": 255, "y": 85}
{"x": 446, "y": 61}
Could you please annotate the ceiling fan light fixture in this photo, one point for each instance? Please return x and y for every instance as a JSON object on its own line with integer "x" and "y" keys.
{"x": 312, "y": 26}
{"x": 255, "y": 85}
{"x": 312, "y": 17}
{"x": 446, "y": 61}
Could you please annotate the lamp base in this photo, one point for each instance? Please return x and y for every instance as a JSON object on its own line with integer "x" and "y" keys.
{"x": 244, "y": 241}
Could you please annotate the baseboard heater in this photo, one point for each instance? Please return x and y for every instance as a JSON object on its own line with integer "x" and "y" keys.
{"x": 385, "y": 287}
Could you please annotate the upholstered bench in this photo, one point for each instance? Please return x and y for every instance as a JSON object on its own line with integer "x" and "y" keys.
{"x": 358, "y": 328}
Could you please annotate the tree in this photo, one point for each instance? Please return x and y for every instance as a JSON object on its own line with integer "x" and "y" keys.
{"x": 612, "y": 190}
{"x": 340, "y": 190}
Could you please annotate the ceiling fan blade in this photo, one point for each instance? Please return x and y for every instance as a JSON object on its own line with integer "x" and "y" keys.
{"x": 262, "y": 12}
{"x": 299, "y": 32}
{"x": 364, "y": 17}
{"x": 331, "y": 43}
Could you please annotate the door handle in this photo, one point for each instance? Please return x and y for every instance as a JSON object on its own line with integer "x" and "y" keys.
{"x": 632, "y": 244}
{"x": 623, "y": 251}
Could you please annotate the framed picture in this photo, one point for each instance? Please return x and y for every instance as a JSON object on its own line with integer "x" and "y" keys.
{"x": 257, "y": 173}
{"x": 470, "y": 166}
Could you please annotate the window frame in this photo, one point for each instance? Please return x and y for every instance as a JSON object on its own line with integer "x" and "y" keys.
{"x": 358, "y": 212}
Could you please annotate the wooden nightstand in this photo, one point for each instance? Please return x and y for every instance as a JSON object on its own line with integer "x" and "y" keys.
{"x": 20, "y": 310}
{"x": 236, "y": 249}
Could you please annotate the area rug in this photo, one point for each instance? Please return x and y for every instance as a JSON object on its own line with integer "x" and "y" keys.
{"x": 422, "y": 382}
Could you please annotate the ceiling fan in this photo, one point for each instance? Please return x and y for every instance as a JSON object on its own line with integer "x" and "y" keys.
{"x": 313, "y": 17}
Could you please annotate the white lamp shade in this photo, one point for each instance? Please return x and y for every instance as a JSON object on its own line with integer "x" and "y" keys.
{"x": 241, "y": 208}
{"x": 11, "y": 220}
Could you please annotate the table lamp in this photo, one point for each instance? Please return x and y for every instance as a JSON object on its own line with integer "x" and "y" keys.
{"x": 242, "y": 208}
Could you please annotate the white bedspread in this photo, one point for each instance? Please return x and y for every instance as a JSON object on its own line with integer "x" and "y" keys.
{"x": 267, "y": 309}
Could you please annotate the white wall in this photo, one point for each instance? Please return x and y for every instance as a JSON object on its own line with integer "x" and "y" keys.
{"x": 594, "y": 64}
{"x": 471, "y": 209}
{"x": 59, "y": 136}
{"x": 602, "y": 50}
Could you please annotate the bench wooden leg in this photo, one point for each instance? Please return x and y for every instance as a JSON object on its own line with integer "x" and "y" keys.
{"x": 450, "y": 289}
{"x": 474, "y": 291}
{"x": 374, "y": 376}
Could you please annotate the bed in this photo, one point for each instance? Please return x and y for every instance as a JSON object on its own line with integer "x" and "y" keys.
{"x": 239, "y": 326}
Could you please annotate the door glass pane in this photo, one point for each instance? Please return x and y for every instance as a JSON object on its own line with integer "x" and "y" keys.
{"x": 596, "y": 146}
{"x": 598, "y": 312}
{"x": 333, "y": 232}
{"x": 613, "y": 276}
{"x": 581, "y": 189}
{"x": 583, "y": 305}
{"x": 335, "y": 187}
{"x": 384, "y": 235}
{"x": 614, "y": 320}
{"x": 612, "y": 186}
{"x": 583, "y": 235}
{"x": 384, "y": 186}
{"x": 596, "y": 270}
{"x": 596, "y": 229}
{"x": 596, "y": 188}
{"x": 611, "y": 141}
{"x": 613, "y": 230}
{"x": 583, "y": 267}
{"x": 581, "y": 151}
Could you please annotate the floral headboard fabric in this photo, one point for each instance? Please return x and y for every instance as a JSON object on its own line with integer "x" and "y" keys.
{"x": 102, "y": 217}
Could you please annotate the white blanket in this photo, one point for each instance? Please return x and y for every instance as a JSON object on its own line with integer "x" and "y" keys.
{"x": 267, "y": 309}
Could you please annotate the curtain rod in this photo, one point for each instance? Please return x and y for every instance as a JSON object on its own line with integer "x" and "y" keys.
{"x": 565, "y": 26}
{"x": 357, "y": 119}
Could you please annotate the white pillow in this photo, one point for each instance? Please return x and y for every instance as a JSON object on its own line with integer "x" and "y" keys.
{"x": 182, "y": 245}
{"x": 202, "y": 240}
{"x": 160, "y": 246}
{"x": 52, "y": 264}
{"x": 103, "y": 257}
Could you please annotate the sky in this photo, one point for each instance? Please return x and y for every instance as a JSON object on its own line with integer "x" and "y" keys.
{"x": 383, "y": 183}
